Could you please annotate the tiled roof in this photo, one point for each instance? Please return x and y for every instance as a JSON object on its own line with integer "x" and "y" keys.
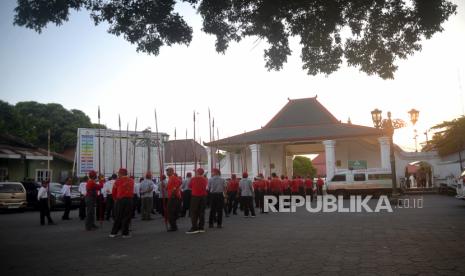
{"x": 183, "y": 151}
{"x": 299, "y": 120}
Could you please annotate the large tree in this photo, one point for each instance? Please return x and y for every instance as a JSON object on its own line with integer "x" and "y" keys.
{"x": 30, "y": 121}
{"x": 302, "y": 166}
{"x": 368, "y": 34}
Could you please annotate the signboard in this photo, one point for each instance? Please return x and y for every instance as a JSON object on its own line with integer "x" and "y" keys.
{"x": 357, "y": 164}
{"x": 86, "y": 152}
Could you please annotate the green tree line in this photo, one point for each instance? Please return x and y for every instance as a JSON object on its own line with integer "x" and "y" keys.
{"x": 30, "y": 121}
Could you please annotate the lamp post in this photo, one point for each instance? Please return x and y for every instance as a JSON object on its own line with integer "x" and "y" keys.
{"x": 413, "y": 113}
{"x": 388, "y": 126}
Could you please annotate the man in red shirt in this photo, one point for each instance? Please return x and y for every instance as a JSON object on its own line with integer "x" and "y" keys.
{"x": 285, "y": 185}
{"x": 198, "y": 185}
{"x": 92, "y": 188}
{"x": 295, "y": 186}
{"x": 123, "y": 193}
{"x": 174, "y": 199}
{"x": 261, "y": 188}
{"x": 319, "y": 185}
{"x": 232, "y": 190}
{"x": 309, "y": 187}
{"x": 276, "y": 185}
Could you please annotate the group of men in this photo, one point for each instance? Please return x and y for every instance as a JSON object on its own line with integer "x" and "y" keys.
{"x": 174, "y": 197}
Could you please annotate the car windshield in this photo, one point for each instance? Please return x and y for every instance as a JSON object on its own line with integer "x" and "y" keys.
{"x": 55, "y": 187}
{"x": 11, "y": 188}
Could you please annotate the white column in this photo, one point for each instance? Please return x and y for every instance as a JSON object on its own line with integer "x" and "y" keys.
{"x": 255, "y": 150}
{"x": 289, "y": 166}
{"x": 210, "y": 150}
{"x": 237, "y": 164}
{"x": 330, "y": 146}
{"x": 384, "y": 145}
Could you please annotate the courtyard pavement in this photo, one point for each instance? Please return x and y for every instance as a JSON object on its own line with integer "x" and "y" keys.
{"x": 423, "y": 241}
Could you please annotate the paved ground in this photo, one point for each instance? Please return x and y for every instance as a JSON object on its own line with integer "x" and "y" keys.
{"x": 427, "y": 241}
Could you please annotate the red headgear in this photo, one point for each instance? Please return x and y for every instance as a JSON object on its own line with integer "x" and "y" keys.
{"x": 216, "y": 171}
{"x": 123, "y": 171}
{"x": 148, "y": 174}
{"x": 245, "y": 175}
{"x": 93, "y": 174}
{"x": 233, "y": 176}
{"x": 200, "y": 171}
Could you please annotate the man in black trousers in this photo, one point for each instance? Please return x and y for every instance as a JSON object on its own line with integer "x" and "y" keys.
{"x": 217, "y": 188}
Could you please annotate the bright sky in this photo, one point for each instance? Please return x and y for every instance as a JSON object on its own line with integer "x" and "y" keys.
{"x": 82, "y": 66}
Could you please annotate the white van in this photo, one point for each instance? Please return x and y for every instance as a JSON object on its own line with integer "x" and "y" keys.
{"x": 375, "y": 182}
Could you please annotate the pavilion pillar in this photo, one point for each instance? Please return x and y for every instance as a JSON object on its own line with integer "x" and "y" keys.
{"x": 237, "y": 164}
{"x": 289, "y": 166}
{"x": 385, "y": 146}
{"x": 330, "y": 151}
{"x": 255, "y": 150}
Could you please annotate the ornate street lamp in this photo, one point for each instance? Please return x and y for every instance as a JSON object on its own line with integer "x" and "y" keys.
{"x": 388, "y": 126}
{"x": 414, "y": 118}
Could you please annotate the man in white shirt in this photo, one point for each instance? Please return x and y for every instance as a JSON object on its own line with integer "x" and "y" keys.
{"x": 146, "y": 196}
{"x": 66, "y": 194}
{"x": 42, "y": 197}
{"x": 82, "y": 203}
{"x": 107, "y": 193}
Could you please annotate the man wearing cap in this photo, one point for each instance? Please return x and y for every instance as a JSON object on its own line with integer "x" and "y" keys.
{"x": 186, "y": 194}
{"x": 233, "y": 189}
{"x": 107, "y": 193}
{"x": 216, "y": 187}
{"x": 174, "y": 198}
{"x": 246, "y": 191}
{"x": 146, "y": 196}
{"x": 261, "y": 188}
{"x": 198, "y": 186}
{"x": 92, "y": 189}
{"x": 123, "y": 193}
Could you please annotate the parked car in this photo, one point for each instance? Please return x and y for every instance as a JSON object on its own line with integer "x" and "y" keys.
{"x": 12, "y": 196}
{"x": 56, "y": 197}
{"x": 32, "y": 188}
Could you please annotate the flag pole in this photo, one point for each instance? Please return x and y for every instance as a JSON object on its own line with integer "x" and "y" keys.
{"x": 48, "y": 167}
{"x": 99, "y": 140}
{"x": 174, "y": 153}
{"x": 103, "y": 151}
{"x": 134, "y": 153}
{"x": 127, "y": 144}
{"x": 120, "y": 145}
{"x": 195, "y": 151}
{"x": 185, "y": 155}
{"x": 160, "y": 161}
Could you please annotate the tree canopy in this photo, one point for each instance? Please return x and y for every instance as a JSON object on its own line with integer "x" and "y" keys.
{"x": 371, "y": 35}
{"x": 30, "y": 121}
{"x": 450, "y": 137}
{"x": 302, "y": 166}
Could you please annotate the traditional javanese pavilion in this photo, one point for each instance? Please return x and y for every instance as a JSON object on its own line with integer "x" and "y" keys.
{"x": 302, "y": 126}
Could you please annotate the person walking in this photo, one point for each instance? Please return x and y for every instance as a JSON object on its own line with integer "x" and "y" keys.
{"x": 91, "y": 197}
{"x": 319, "y": 185}
{"x": 309, "y": 187}
{"x": 216, "y": 188}
{"x": 174, "y": 199}
{"x": 233, "y": 194}
{"x": 42, "y": 197}
{"x": 123, "y": 193}
{"x": 186, "y": 194}
{"x": 66, "y": 194}
{"x": 198, "y": 185}
{"x": 109, "y": 202}
{"x": 246, "y": 192}
{"x": 146, "y": 196}
{"x": 82, "y": 197}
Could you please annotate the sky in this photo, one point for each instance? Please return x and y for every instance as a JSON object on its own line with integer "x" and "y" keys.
{"x": 81, "y": 66}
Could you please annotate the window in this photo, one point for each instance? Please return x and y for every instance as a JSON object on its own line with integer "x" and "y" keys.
{"x": 42, "y": 175}
{"x": 11, "y": 188}
{"x": 3, "y": 174}
{"x": 339, "y": 177}
{"x": 384, "y": 176}
{"x": 359, "y": 177}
